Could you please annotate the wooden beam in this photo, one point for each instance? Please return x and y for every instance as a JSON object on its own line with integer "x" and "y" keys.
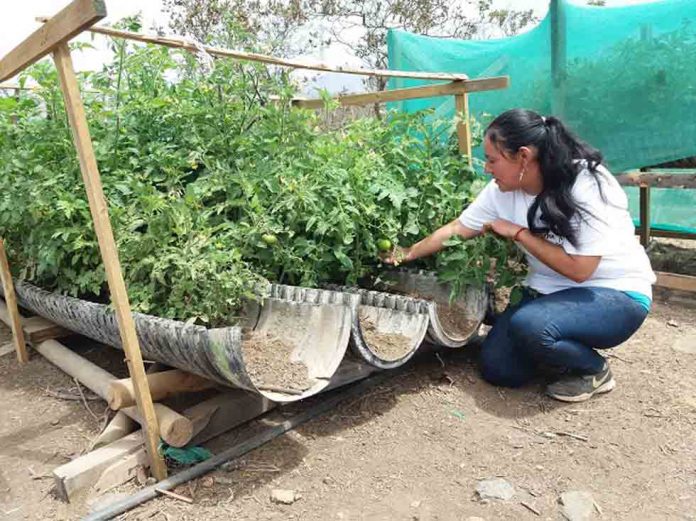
{"x": 37, "y": 329}
{"x": 669, "y": 234}
{"x": 182, "y": 43}
{"x": 107, "y": 246}
{"x": 162, "y": 385}
{"x": 645, "y": 216}
{"x": 676, "y": 281}
{"x": 428, "y": 91}
{"x": 461, "y": 102}
{"x": 75, "y": 18}
{"x": 657, "y": 180}
{"x": 11, "y": 300}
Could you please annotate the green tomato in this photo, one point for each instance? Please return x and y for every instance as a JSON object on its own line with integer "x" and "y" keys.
{"x": 269, "y": 239}
{"x": 384, "y": 245}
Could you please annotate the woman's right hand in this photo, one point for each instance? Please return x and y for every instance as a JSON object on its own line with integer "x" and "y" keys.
{"x": 396, "y": 256}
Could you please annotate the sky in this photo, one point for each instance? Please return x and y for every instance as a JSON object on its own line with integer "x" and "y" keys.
{"x": 19, "y": 23}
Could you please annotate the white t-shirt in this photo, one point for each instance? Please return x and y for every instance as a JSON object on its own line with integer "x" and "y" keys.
{"x": 607, "y": 232}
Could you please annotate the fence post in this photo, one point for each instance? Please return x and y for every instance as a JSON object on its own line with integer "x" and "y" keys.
{"x": 461, "y": 102}
{"x": 558, "y": 59}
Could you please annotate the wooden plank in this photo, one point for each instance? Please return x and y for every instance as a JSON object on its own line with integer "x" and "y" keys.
{"x": 107, "y": 246}
{"x": 13, "y": 311}
{"x": 83, "y": 472}
{"x": 645, "y": 216}
{"x": 182, "y": 43}
{"x": 72, "y": 20}
{"x": 676, "y": 281}
{"x": 670, "y": 234}
{"x": 428, "y": 91}
{"x": 657, "y": 180}
{"x": 461, "y": 102}
{"x": 37, "y": 329}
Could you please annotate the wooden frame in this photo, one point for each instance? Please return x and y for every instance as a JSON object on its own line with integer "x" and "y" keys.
{"x": 646, "y": 179}
{"x": 80, "y": 15}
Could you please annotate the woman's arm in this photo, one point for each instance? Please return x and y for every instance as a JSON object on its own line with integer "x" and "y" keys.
{"x": 431, "y": 244}
{"x": 577, "y": 268}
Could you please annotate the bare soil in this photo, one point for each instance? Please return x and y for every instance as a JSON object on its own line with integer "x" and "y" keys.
{"x": 267, "y": 359}
{"x": 387, "y": 346}
{"x": 412, "y": 448}
{"x": 455, "y": 319}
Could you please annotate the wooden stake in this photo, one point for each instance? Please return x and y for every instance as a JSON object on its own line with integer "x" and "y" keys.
{"x": 107, "y": 246}
{"x": 461, "y": 102}
{"x": 645, "y": 216}
{"x": 11, "y": 300}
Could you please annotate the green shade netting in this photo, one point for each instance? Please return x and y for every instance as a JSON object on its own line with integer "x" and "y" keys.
{"x": 629, "y": 84}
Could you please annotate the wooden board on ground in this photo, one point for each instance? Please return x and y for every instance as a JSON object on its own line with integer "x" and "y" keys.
{"x": 676, "y": 281}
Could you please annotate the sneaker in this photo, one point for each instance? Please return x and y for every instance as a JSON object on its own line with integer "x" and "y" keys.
{"x": 581, "y": 388}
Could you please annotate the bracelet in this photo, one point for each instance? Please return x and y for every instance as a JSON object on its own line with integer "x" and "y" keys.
{"x": 516, "y": 237}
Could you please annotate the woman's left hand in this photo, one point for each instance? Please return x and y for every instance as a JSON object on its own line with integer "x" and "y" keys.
{"x": 503, "y": 228}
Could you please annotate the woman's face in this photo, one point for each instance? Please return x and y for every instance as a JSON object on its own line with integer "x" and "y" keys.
{"x": 504, "y": 168}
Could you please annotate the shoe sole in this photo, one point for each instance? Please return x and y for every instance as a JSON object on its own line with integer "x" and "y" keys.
{"x": 604, "y": 388}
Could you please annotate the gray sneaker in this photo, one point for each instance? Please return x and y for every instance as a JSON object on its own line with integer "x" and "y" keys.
{"x": 581, "y": 388}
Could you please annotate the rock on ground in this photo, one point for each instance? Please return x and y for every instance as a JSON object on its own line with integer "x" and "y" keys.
{"x": 496, "y": 488}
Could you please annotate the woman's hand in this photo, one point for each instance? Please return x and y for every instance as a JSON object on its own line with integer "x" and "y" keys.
{"x": 396, "y": 256}
{"x": 503, "y": 228}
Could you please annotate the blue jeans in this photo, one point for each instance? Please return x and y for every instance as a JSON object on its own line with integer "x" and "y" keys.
{"x": 560, "y": 330}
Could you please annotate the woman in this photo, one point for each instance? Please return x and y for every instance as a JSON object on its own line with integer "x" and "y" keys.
{"x": 589, "y": 281}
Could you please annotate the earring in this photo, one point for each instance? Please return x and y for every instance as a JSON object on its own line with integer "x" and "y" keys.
{"x": 521, "y": 174}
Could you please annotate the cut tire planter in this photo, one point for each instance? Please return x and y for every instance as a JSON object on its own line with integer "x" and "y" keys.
{"x": 388, "y": 315}
{"x": 451, "y": 324}
{"x": 318, "y": 332}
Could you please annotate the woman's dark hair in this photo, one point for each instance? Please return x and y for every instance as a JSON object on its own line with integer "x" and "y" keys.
{"x": 561, "y": 157}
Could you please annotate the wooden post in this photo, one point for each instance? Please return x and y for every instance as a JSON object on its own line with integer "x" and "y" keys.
{"x": 461, "y": 102}
{"x": 645, "y": 215}
{"x": 11, "y": 301}
{"x": 558, "y": 59}
{"x": 107, "y": 247}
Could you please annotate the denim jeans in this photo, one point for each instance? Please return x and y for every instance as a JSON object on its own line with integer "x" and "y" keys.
{"x": 561, "y": 330}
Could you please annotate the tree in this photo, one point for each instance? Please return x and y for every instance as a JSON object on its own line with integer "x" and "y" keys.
{"x": 361, "y": 25}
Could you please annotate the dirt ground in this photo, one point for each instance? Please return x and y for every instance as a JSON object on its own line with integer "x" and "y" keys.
{"x": 413, "y": 448}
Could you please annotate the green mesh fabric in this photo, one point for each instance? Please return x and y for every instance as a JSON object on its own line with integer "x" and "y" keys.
{"x": 628, "y": 86}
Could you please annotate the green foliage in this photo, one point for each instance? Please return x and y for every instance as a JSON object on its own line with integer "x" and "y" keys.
{"x": 214, "y": 188}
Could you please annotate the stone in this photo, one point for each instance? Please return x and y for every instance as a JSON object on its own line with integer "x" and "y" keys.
{"x": 496, "y": 488}
{"x": 577, "y": 505}
{"x": 284, "y": 497}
